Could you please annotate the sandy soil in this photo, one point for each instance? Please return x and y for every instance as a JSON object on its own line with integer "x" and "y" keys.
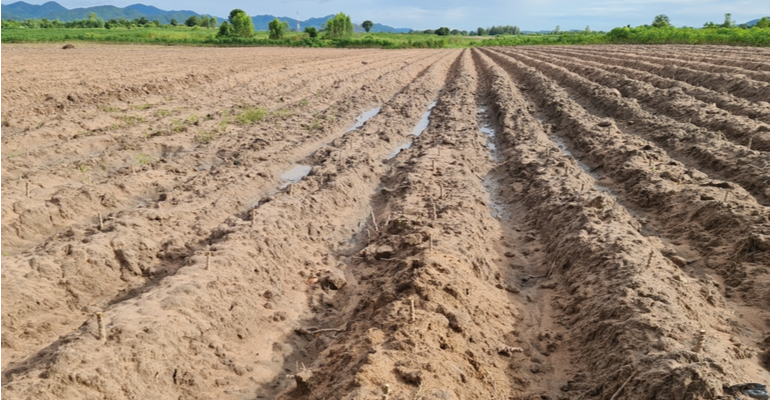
{"x": 520, "y": 223}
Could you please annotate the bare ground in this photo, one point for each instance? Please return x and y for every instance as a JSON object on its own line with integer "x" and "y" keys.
{"x": 528, "y": 223}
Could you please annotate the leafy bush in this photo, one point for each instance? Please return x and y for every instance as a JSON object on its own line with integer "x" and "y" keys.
{"x": 277, "y": 28}
{"x": 367, "y": 25}
{"x": 241, "y": 23}
{"x": 339, "y": 27}
{"x": 192, "y": 21}
{"x": 311, "y": 31}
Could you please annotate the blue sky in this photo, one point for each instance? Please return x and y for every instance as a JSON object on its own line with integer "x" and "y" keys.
{"x": 465, "y": 14}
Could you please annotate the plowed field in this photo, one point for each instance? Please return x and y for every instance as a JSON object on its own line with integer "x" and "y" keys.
{"x": 498, "y": 223}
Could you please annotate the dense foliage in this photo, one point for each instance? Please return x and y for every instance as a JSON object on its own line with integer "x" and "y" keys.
{"x": 338, "y": 32}
{"x": 339, "y": 27}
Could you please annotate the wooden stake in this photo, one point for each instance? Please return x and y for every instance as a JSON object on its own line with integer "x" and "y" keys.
{"x": 374, "y": 221}
{"x": 582, "y": 186}
{"x": 649, "y": 259}
{"x": 749, "y": 145}
{"x": 620, "y": 389}
{"x": 411, "y": 307}
{"x": 434, "y": 166}
{"x": 440, "y": 191}
{"x": 26, "y": 186}
{"x": 101, "y": 222}
{"x": 102, "y": 329}
{"x": 208, "y": 259}
{"x": 253, "y": 216}
{"x": 701, "y": 339}
{"x": 385, "y": 392}
{"x": 726, "y": 194}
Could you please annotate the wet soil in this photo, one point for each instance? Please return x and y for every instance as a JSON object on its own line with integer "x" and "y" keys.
{"x": 505, "y": 223}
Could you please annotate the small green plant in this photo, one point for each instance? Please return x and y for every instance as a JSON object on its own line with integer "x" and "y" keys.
{"x": 177, "y": 126}
{"x": 131, "y": 120}
{"x": 303, "y": 102}
{"x": 83, "y": 168}
{"x": 162, "y": 113}
{"x": 250, "y": 115}
{"x": 142, "y": 106}
{"x": 6, "y": 254}
{"x": 314, "y": 126}
{"x": 205, "y": 137}
{"x": 6, "y": 123}
{"x": 144, "y": 159}
{"x": 106, "y": 108}
{"x": 192, "y": 120}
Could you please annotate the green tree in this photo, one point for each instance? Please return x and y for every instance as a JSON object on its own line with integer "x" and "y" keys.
{"x": 92, "y": 16}
{"x": 587, "y": 30}
{"x": 729, "y": 23}
{"x": 661, "y": 21}
{"x": 173, "y": 22}
{"x": 763, "y": 22}
{"x": 311, "y": 31}
{"x": 241, "y": 23}
{"x": 278, "y": 28}
{"x": 367, "y": 25}
{"x": 192, "y": 21}
{"x": 212, "y": 22}
{"x": 339, "y": 26}
{"x": 557, "y": 30}
{"x": 225, "y": 30}
{"x": 480, "y": 31}
{"x": 443, "y": 31}
{"x": 204, "y": 21}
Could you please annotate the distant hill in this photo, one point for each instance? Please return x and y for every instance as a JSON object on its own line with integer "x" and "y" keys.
{"x": 52, "y": 10}
{"x": 261, "y": 24}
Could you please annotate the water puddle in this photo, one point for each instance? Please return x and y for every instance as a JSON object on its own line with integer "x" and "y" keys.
{"x": 424, "y": 121}
{"x": 498, "y": 208}
{"x": 418, "y": 129}
{"x": 295, "y": 175}
{"x": 361, "y": 119}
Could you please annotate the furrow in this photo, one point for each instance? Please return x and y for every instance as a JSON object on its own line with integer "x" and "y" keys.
{"x": 692, "y": 145}
{"x": 737, "y": 85}
{"x": 80, "y": 200}
{"x": 659, "y": 57}
{"x": 722, "y": 100}
{"x": 632, "y": 316}
{"x": 238, "y": 311}
{"x": 433, "y": 226}
{"x": 673, "y": 103}
{"x": 179, "y": 222}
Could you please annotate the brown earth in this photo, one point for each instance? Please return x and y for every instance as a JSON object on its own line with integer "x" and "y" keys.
{"x": 520, "y": 223}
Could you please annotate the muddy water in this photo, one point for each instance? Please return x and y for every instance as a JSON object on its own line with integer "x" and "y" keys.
{"x": 497, "y": 207}
{"x": 365, "y": 116}
{"x": 295, "y": 174}
{"x": 418, "y": 129}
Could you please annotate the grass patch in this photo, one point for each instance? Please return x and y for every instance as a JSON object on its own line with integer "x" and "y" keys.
{"x": 249, "y": 115}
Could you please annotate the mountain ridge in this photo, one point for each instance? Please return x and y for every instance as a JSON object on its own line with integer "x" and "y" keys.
{"x": 52, "y": 10}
